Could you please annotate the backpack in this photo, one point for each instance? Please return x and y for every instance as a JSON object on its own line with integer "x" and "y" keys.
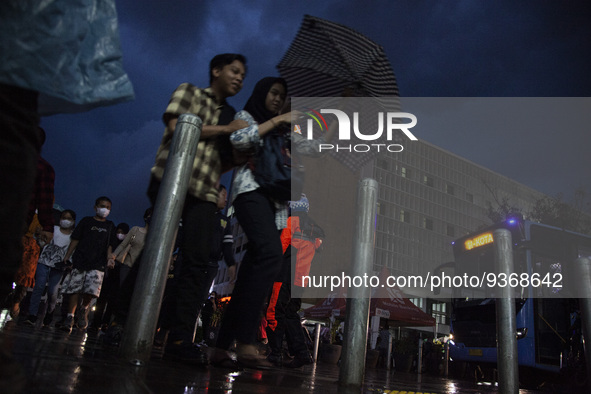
{"x": 273, "y": 169}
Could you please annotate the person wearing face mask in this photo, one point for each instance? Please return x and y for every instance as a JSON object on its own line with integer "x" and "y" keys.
{"x": 121, "y": 232}
{"x": 104, "y": 307}
{"x": 128, "y": 251}
{"x": 262, "y": 216}
{"x": 89, "y": 251}
{"x": 49, "y": 273}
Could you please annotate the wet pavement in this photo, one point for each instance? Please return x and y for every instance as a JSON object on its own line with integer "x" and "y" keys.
{"x": 47, "y": 360}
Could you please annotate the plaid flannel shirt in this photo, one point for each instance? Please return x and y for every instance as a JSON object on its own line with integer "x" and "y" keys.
{"x": 207, "y": 164}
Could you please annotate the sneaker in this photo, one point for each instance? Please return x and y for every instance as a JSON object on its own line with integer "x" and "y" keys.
{"x": 67, "y": 324}
{"x": 185, "y": 351}
{"x": 47, "y": 319}
{"x": 31, "y": 320}
{"x": 300, "y": 360}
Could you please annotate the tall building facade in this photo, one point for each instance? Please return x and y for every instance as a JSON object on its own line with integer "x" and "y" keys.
{"x": 427, "y": 198}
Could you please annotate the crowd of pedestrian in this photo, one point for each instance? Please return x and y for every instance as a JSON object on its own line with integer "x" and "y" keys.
{"x": 94, "y": 262}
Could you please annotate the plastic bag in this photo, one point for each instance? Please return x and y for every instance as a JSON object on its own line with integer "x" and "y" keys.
{"x": 67, "y": 50}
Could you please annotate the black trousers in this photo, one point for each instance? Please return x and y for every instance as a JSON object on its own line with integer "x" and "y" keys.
{"x": 259, "y": 268}
{"x": 193, "y": 280}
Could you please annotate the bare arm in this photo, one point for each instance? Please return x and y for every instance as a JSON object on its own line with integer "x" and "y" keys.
{"x": 71, "y": 248}
{"x": 110, "y": 258}
{"x": 272, "y": 123}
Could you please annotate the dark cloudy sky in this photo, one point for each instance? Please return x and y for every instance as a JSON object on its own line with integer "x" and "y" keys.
{"x": 450, "y": 48}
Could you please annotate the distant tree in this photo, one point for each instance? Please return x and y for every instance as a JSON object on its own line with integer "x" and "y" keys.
{"x": 555, "y": 212}
{"x": 503, "y": 210}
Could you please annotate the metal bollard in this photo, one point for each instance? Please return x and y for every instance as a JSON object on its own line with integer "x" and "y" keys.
{"x": 420, "y": 362}
{"x": 389, "y": 355}
{"x": 583, "y": 276}
{"x": 446, "y": 361}
{"x": 352, "y": 367}
{"x": 149, "y": 289}
{"x": 506, "y": 321}
{"x": 316, "y": 341}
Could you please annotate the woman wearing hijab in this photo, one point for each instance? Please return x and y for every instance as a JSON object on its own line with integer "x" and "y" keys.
{"x": 261, "y": 218}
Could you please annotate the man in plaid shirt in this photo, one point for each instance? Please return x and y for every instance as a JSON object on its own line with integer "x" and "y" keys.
{"x": 227, "y": 72}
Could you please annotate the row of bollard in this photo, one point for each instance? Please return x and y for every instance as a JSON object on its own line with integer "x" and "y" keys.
{"x": 146, "y": 301}
{"x": 145, "y": 306}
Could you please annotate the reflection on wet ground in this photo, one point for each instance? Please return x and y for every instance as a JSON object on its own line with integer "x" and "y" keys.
{"x": 54, "y": 361}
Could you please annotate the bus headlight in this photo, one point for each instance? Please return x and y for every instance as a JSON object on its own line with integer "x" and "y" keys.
{"x": 521, "y": 332}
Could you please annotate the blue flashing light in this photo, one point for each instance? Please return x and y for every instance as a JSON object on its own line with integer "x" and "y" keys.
{"x": 512, "y": 221}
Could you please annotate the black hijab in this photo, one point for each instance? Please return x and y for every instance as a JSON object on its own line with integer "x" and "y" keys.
{"x": 256, "y": 102}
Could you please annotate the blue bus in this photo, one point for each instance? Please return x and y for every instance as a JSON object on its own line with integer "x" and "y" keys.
{"x": 548, "y": 327}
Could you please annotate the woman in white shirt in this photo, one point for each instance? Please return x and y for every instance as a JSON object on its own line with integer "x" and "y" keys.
{"x": 49, "y": 272}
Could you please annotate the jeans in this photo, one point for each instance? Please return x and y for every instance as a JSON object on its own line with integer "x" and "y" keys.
{"x": 51, "y": 277}
{"x": 259, "y": 268}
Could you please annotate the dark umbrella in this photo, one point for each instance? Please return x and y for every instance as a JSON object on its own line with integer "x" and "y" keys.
{"x": 325, "y": 59}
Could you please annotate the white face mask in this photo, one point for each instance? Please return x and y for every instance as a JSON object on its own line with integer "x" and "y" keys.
{"x": 64, "y": 223}
{"x": 102, "y": 212}
{"x": 120, "y": 236}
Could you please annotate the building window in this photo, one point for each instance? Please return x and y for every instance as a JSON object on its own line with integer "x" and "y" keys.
{"x": 449, "y": 189}
{"x": 404, "y": 216}
{"x": 428, "y": 223}
{"x": 427, "y": 180}
{"x": 417, "y": 301}
{"x": 450, "y": 231}
{"x": 405, "y": 172}
{"x": 470, "y": 197}
{"x": 439, "y": 312}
